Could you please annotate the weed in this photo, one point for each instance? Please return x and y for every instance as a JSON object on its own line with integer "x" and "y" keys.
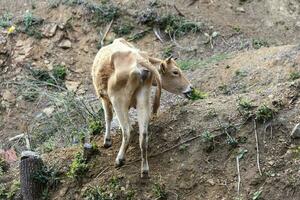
{"x": 95, "y": 193}
{"x": 240, "y": 73}
{"x": 114, "y": 182}
{"x": 48, "y": 176}
{"x": 54, "y": 3}
{"x": 48, "y": 146}
{"x": 5, "y": 20}
{"x": 59, "y": 72}
{"x": 123, "y": 29}
{"x": 232, "y": 142}
{"x": 174, "y": 25}
{"x": 183, "y": 147}
{"x": 168, "y": 51}
{"x": 241, "y": 153}
{"x": 78, "y": 167}
{"x": 237, "y": 29}
{"x": 30, "y": 23}
{"x": 245, "y": 104}
{"x": 103, "y": 13}
{"x": 95, "y": 126}
{"x": 207, "y": 136}
{"x": 160, "y": 191}
{"x": 14, "y": 188}
{"x": 294, "y": 75}
{"x": 264, "y": 114}
{"x": 148, "y": 17}
{"x": 3, "y": 192}
{"x": 197, "y": 94}
{"x": 138, "y": 35}
{"x": 256, "y": 195}
{"x": 258, "y": 43}
{"x": 72, "y": 2}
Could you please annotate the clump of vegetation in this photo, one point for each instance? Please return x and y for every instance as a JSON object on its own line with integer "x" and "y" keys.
{"x": 258, "y": 43}
{"x": 264, "y": 114}
{"x": 78, "y": 167}
{"x": 245, "y": 104}
{"x": 49, "y": 178}
{"x": 95, "y": 126}
{"x": 59, "y": 72}
{"x": 240, "y": 73}
{"x": 294, "y": 76}
{"x": 103, "y": 13}
{"x": 3, "y": 166}
{"x": 207, "y": 136}
{"x": 148, "y": 17}
{"x": 31, "y": 24}
{"x": 5, "y": 20}
{"x": 111, "y": 191}
{"x": 123, "y": 29}
{"x": 138, "y": 35}
{"x": 10, "y": 193}
{"x": 197, "y": 94}
{"x": 168, "y": 51}
{"x": 159, "y": 191}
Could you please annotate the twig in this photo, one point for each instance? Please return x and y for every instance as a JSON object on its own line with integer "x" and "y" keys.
{"x": 257, "y": 147}
{"x": 178, "y": 11}
{"x": 157, "y": 34}
{"x": 106, "y": 168}
{"x": 239, "y": 175}
{"x": 106, "y": 32}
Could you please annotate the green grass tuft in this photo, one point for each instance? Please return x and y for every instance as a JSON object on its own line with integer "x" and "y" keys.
{"x": 78, "y": 167}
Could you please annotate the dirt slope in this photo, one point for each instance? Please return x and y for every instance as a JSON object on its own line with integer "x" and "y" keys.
{"x": 184, "y": 162}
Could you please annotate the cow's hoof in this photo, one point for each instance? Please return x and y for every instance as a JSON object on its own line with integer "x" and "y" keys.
{"x": 107, "y": 143}
{"x": 145, "y": 175}
{"x": 119, "y": 163}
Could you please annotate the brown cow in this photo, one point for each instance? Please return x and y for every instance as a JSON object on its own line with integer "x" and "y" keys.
{"x": 122, "y": 77}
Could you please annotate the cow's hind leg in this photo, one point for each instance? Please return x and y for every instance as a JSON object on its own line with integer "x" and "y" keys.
{"x": 108, "y": 118}
{"x": 143, "y": 109}
{"x": 121, "y": 109}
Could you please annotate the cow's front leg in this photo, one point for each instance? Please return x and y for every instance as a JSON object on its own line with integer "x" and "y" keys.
{"x": 121, "y": 109}
{"x": 143, "y": 109}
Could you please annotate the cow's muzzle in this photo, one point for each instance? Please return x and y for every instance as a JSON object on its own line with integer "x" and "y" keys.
{"x": 188, "y": 93}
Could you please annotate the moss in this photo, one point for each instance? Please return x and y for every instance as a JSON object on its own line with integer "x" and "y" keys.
{"x": 197, "y": 94}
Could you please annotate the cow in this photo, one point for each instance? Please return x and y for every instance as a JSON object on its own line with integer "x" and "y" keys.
{"x": 122, "y": 77}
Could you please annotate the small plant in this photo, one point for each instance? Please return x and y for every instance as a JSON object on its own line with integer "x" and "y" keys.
{"x": 59, "y": 72}
{"x": 258, "y": 43}
{"x": 245, "y": 104}
{"x": 123, "y": 29}
{"x": 3, "y": 192}
{"x": 294, "y": 75}
{"x": 138, "y": 35}
{"x": 183, "y": 147}
{"x": 5, "y": 20}
{"x": 197, "y": 94}
{"x": 160, "y": 191}
{"x": 14, "y": 188}
{"x": 30, "y": 23}
{"x": 207, "y": 136}
{"x": 264, "y": 114}
{"x": 168, "y": 51}
{"x": 256, "y": 195}
{"x": 95, "y": 193}
{"x": 240, "y": 73}
{"x": 103, "y": 13}
{"x": 95, "y": 126}
{"x": 78, "y": 167}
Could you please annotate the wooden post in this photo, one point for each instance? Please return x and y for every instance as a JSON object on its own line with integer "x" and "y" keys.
{"x": 30, "y": 164}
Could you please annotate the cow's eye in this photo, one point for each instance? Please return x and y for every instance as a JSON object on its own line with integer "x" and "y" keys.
{"x": 175, "y": 73}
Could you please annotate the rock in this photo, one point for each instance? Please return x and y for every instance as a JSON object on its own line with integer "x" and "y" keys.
{"x": 296, "y": 131}
{"x": 8, "y": 96}
{"x": 297, "y": 25}
{"x": 240, "y": 9}
{"x": 49, "y": 30}
{"x": 48, "y": 111}
{"x": 72, "y": 85}
{"x": 211, "y": 182}
{"x": 46, "y": 61}
{"x": 65, "y": 44}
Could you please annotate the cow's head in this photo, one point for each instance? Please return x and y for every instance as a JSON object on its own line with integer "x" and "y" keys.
{"x": 173, "y": 80}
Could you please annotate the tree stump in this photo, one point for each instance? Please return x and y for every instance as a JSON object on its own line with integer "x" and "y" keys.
{"x": 30, "y": 165}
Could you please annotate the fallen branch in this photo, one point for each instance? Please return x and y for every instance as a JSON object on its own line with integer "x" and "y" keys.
{"x": 157, "y": 34}
{"x": 257, "y": 147}
{"x": 104, "y": 170}
{"x": 178, "y": 11}
{"x": 106, "y": 32}
{"x": 239, "y": 175}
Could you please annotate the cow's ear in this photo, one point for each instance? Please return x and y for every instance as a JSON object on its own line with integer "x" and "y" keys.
{"x": 169, "y": 58}
{"x": 162, "y": 67}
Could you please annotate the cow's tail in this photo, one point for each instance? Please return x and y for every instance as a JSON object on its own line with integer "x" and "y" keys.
{"x": 157, "y": 78}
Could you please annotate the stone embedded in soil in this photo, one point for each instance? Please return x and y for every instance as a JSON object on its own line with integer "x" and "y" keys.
{"x": 296, "y": 132}
{"x": 72, "y": 85}
{"x": 49, "y": 30}
{"x": 48, "y": 111}
{"x": 8, "y": 96}
{"x": 240, "y": 9}
{"x": 65, "y": 44}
